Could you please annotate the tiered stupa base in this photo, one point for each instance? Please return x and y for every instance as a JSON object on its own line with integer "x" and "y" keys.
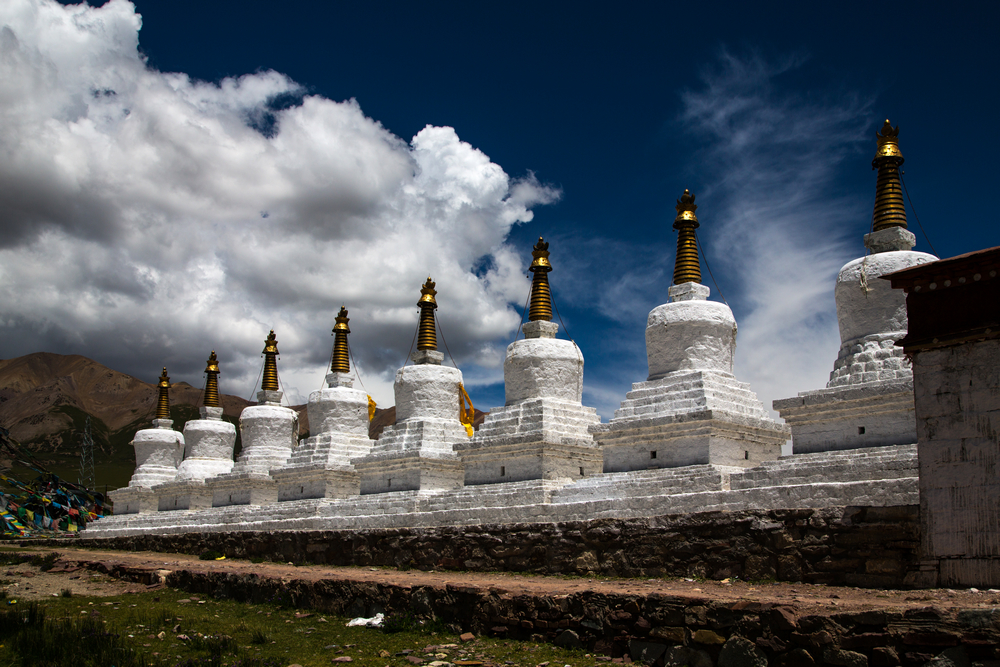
{"x": 535, "y": 439}
{"x": 209, "y": 453}
{"x": 416, "y": 453}
{"x": 269, "y": 434}
{"x": 134, "y": 500}
{"x": 689, "y": 418}
{"x": 158, "y": 451}
{"x": 868, "y": 401}
{"x": 414, "y": 456}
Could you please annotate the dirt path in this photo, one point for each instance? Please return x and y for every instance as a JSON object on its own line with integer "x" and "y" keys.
{"x": 808, "y": 598}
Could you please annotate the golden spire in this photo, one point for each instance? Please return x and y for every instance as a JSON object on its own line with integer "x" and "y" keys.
{"x": 341, "y": 358}
{"x": 270, "y": 381}
{"x": 687, "y": 268}
{"x": 541, "y": 298}
{"x": 163, "y": 403}
{"x": 427, "y": 333}
{"x": 212, "y": 382}
{"x": 889, "y": 209}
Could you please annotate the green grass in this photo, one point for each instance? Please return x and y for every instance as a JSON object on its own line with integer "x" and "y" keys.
{"x": 146, "y": 629}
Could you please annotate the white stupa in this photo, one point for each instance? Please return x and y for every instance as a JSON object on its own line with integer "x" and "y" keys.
{"x": 868, "y": 401}
{"x": 269, "y": 433}
{"x": 542, "y": 430}
{"x": 208, "y": 451}
{"x": 416, "y": 453}
{"x": 691, "y": 410}
{"x": 158, "y": 452}
{"x": 320, "y": 467}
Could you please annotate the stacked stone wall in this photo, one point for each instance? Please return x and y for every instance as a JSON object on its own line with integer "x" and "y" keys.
{"x": 855, "y": 546}
{"x": 657, "y": 629}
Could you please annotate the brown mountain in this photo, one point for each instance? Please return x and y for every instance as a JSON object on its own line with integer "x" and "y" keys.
{"x": 45, "y": 400}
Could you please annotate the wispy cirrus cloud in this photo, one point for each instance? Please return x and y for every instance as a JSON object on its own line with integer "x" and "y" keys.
{"x": 771, "y": 159}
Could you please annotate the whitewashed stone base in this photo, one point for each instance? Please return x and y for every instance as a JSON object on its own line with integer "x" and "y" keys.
{"x": 873, "y": 358}
{"x": 316, "y": 481}
{"x": 183, "y": 495}
{"x": 848, "y": 417}
{"x": 269, "y": 435}
{"x": 689, "y": 418}
{"x": 409, "y": 471}
{"x": 876, "y": 477}
{"x": 133, "y": 500}
{"x": 534, "y": 439}
{"x": 243, "y": 489}
{"x": 158, "y": 452}
{"x": 209, "y": 447}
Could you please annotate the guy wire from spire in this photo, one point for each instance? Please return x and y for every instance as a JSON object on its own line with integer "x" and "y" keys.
{"x": 438, "y": 322}
{"x": 912, "y": 208}
{"x": 256, "y": 381}
{"x": 553, "y": 301}
{"x": 414, "y": 338}
{"x": 523, "y": 311}
{"x": 356, "y": 371}
{"x": 705, "y": 257}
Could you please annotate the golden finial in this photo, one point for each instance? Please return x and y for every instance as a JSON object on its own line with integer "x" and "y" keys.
{"x": 427, "y": 332}
{"x": 163, "y": 403}
{"x": 341, "y": 356}
{"x": 687, "y": 267}
{"x": 541, "y": 297}
{"x": 212, "y": 382}
{"x": 270, "y": 380}
{"x": 889, "y": 208}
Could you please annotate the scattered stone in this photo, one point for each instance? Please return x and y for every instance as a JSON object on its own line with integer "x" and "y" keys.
{"x": 740, "y": 652}
{"x": 645, "y": 652}
{"x": 343, "y": 658}
{"x": 383, "y": 654}
{"x": 708, "y": 637}
{"x": 568, "y": 639}
{"x": 466, "y": 637}
{"x": 414, "y": 660}
{"x": 302, "y": 614}
{"x": 844, "y": 658}
{"x": 682, "y": 656}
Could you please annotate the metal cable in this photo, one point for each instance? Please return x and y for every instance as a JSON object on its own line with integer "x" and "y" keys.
{"x": 705, "y": 257}
{"x": 411, "y": 342}
{"x": 443, "y": 340}
{"x": 915, "y": 214}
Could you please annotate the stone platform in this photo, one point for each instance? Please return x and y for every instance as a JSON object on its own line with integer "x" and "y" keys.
{"x": 882, "y": 477}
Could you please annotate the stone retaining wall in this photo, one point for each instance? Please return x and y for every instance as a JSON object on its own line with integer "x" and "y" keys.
{"x": 872, "y": 547}
{"x": 662, "y": 630}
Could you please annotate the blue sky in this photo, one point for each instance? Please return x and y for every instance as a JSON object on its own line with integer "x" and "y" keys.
{"x": 232, "y": 167}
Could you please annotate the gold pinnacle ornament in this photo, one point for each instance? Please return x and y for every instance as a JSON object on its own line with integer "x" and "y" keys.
{"x": 427, "y": 333}
{"x": 163, "y": 403}
{"x": 341, "y": 356}
{"x": 212, "y": 381}
{"x": 270, "y": 381}
{"x": 541, "y": 297}
{"x": 889, "y": 209}
{"x": 687, "y": 267}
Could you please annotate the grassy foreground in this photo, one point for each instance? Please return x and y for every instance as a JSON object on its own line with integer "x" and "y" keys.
{"x": 169, "y": 627}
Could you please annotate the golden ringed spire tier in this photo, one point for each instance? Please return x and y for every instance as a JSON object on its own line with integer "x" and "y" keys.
{"x": 163, "y": 400}
{"x": 427, "y": 331}
{"x": 889, "y": 208}
{"x": 687, "y": 267}
{"x": 212, "y": 382}
{"x": 270, "y": 352}
{"x": 541, "y": 297}
{"x": 341, "y": 355}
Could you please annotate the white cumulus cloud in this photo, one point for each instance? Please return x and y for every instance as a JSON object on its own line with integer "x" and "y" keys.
{"x": 147, "y": 218}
